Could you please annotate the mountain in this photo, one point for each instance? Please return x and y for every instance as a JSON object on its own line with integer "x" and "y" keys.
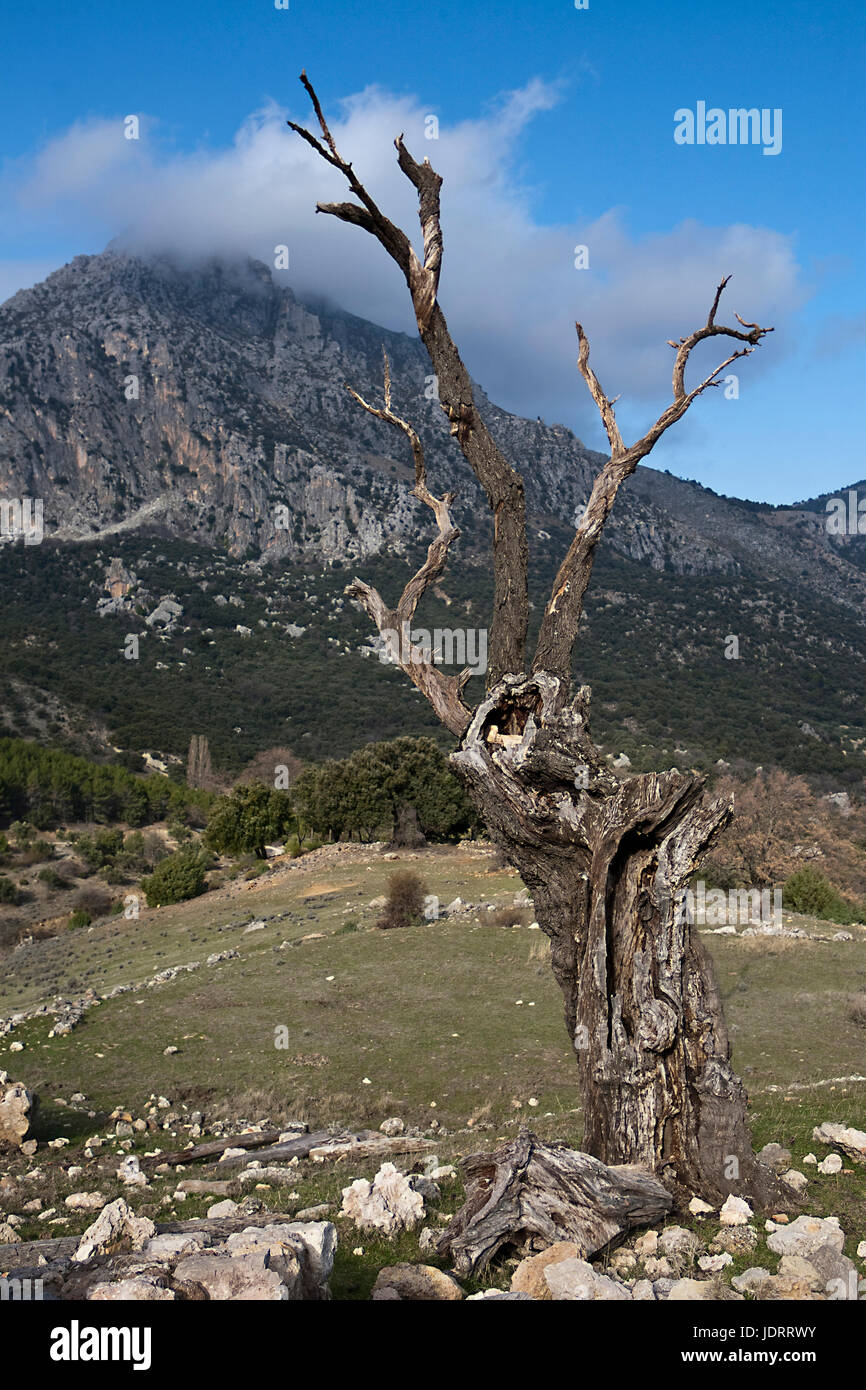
{"x": 188, "y": 429}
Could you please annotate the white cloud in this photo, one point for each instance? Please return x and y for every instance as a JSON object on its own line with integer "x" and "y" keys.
{"x": 509, "y": 286}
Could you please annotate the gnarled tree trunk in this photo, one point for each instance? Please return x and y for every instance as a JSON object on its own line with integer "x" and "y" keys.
{"x": 608, "y": 864}
{"x": 607, "y": 861}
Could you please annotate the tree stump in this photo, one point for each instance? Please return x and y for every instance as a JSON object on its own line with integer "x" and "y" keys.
{"x": 531, "y": 1194}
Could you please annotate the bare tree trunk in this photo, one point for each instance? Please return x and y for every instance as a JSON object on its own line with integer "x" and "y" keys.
{"x": 608, "y": 863}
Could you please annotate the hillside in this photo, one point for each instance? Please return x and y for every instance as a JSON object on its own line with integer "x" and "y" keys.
{"x": 189, "y": 1051}
{"x": 240, "y": 482}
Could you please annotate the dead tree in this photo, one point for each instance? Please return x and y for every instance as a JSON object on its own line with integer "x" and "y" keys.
{"x": 607, "y": 861}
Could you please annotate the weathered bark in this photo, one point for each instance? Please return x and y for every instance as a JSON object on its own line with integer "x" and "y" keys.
{"x": 608, "y": 863}
{"x": 529, "y": 1195}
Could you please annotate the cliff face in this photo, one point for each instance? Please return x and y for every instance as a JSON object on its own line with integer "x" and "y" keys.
{"x": 208, "y": 403}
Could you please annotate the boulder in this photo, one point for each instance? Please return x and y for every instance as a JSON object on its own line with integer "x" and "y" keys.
{"x": 389, "y": 1203}
{"x": 852, "y": 1142}
{"x": 416, "y": 1283}
{"x": 528, "y": 1277}
{"x": 806, "y": 1235}
{"x": 575, "y": 1280}
{"x": 137, "y": 1290}
{"x": 85, "y": 1201}
{"x": 831, "y": 1164}
{"x": 17, "y": 1110}
{"x": 239, "y": 1278}
{"x": 774, "y": 1156}
{"x": 701, "y": 1290}
{"x": 115, "y": 1228}
{"x": 750, "y": 1280}
{"x": 221, "y": 1209}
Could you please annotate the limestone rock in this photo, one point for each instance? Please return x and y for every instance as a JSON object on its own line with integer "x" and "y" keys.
{"x": 115, "y": 1228}
{"x": 852, "y": 1142}
{"x": 714, "y": 1264}
{"x": 701, "y": 1290}
{"x": 647, "y": 1244}
{"x": 414, "y": 1283}
{"x": 389, "y": 1203}
{"x": 831, "y": 1164}
{"x": 807, "y": 1234}
{"x": 750, "y": 1280}
{"x": 797, "y": 1181}
{"x": 697, "y": 1207}
{"x": 85, "y": 1201}
{"x": 130, "y": 1173}
{"x": 575, "y": 1280}
{"x": 774, "y": 1156}
{"x": 136, "y": 1290}
{"x": 528, "y": 1277}
{"x": 240, "y": 1278}
{"x": 17, "y": 1109}
{"x": 734, "y": 1240}
{"x": 224, "y": 1208}
{"x": 392, "y": 1127}
{"x": 735, "y": 1212}
{"x": 496, "y": 1293}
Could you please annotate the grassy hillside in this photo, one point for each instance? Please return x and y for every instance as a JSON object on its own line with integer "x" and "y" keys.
{"x": 455, "y": 1026}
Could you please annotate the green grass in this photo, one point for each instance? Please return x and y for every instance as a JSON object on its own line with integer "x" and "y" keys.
{"x": 428, "y": 1015}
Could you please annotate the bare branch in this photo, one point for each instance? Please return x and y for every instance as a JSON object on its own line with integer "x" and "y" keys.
{"x": 562, "y": 614}
{"x": 605, "y": 406}
{"x": 394, "y": 624}
{"x": 502, "y": 485}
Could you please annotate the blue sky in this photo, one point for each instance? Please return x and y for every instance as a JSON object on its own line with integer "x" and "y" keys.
{"x": 583, "y": 154}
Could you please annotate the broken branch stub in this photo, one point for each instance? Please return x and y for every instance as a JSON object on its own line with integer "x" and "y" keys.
{"x": 531, "y": 1194}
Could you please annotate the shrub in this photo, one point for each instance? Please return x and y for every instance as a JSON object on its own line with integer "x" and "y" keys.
{"x": 101, "y": 849}
{"x": 405, "y": 900}
{"x": 52, "y": 878}
{"x": 21, "y": 832}
{"x": 93, "y": 901}
{"x": 8, "y": 892}
{"x": 178, "y": 877}
{"x": 37, "y": 853}
{"x": 78, "y": 918}
{"x": 507, "y": 917}
{"x": 809, "y": 892}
